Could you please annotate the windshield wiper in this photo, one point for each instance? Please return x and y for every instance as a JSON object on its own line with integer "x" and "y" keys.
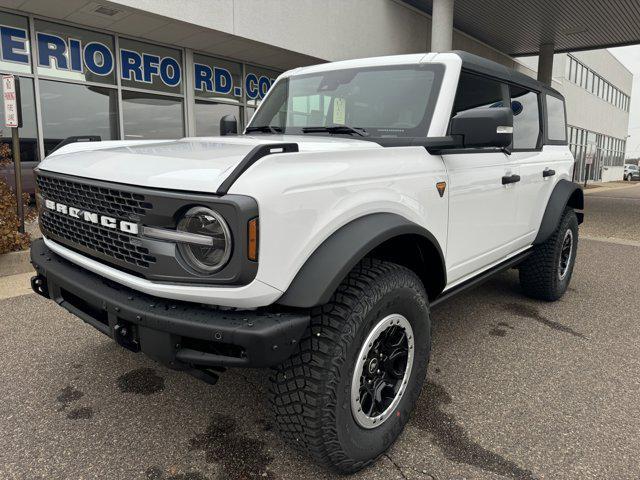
{"x": 265, "y": 129}
{"x": 337, "y": 129}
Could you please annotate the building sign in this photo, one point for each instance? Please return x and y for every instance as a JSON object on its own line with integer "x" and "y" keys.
{"x": 10, "y": 97}
{"x": 78, "y": 54}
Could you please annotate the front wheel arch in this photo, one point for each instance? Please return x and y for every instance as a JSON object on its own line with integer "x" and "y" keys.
{"x": 371, "y": 235}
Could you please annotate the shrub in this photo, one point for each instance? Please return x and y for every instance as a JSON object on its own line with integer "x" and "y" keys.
{"x": 10, "y": 238}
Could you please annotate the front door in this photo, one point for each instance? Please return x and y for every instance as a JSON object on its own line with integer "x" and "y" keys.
{"x": 482, "y": 211}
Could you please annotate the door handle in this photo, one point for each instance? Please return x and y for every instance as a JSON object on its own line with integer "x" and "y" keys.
{"x": 510, "y": 179}
{"x": 548, "y": 173}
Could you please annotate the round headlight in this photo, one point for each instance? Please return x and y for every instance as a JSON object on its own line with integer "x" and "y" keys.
{"x": 211, "y": 248}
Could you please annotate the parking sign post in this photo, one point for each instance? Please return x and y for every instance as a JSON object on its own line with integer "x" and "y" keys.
{"x": 13, "y": 120}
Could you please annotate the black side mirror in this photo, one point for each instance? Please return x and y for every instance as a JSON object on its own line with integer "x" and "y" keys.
{"x": 228, "y": 125}
{"x": 484, "y": 127}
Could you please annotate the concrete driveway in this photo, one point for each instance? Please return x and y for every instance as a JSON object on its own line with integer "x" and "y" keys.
{"x": 516, "y": 388}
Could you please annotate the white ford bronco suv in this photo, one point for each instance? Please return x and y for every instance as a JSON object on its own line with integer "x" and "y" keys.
{"x": 361, "y": 194}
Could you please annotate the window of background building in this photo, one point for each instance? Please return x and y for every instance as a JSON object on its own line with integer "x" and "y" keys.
{"x": 29, "y": 131}
{"x": 556, "y": 119}
{"x": 50, "y": 67}
{"x": 526, "y": 118}
{"x": 154, "y": 81}
{"x": 257, "y": 83}
{"x": 21, "y": 23}
{"x": 208, "y": 115}
{"x": 152, "y": 116}
{"x": 72, "y": 109}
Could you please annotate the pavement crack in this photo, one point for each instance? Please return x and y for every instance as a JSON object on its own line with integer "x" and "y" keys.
{"x": 454, "y": 442}
{"x": 395, "y": 464}
{"x": 528, "y": 311}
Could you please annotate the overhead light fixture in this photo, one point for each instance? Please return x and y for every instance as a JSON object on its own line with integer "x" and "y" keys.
{"x": 107, "y": 11}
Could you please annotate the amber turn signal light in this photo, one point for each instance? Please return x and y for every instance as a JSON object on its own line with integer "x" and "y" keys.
{"x": 253, "y": 240}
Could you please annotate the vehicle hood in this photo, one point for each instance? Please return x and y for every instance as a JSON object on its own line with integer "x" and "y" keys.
{"x": 193, "y": 164}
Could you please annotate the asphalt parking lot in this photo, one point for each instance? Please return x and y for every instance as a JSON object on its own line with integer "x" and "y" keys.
{"x": 516, "y": 388}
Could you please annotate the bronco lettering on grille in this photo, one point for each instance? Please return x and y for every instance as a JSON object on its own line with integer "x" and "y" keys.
{"x": 91, "y": 217}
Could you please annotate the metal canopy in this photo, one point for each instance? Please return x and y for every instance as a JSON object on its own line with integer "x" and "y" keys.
{"x": 519, "y": 27}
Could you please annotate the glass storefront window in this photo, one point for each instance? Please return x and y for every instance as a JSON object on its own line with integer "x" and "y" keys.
{"x": 15, "y": 54}
{"x": 150, "y": 67}
{"x": 151, "y": 116}
{"x": 75, "y": 54}
{"x": 257, "y": 82}
{"x": 217, "y": 79}
{"x": 71, "y": 109}
{"x": 29, "y": 131}
{"x": 208, "y": 115}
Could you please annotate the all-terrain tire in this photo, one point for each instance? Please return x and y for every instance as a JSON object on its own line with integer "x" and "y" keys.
{"x": 540, "y": 273}
{"x": 310, "y": 392}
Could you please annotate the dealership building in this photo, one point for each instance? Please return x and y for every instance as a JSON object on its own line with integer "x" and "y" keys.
{"x": 151, "y": 69}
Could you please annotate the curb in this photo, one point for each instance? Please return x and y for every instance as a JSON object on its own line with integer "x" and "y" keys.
{"x": 587, "y": 191}
{"x": 13, "y": 263}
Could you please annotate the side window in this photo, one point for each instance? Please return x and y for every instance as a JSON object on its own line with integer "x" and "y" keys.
{"x": 526, "y": 118}
{"x": 557, "y": 129}
{"x": 475, "y": 91}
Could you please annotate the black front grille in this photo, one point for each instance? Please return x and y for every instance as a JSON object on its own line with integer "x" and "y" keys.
{"x": 107, "y": 201}
{"x": 107, "y": 242}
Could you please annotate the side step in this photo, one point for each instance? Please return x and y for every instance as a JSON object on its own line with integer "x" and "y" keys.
{"x": 480, "y": 279}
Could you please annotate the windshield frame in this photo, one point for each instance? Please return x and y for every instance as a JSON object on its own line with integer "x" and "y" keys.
{"x": 421, "y": 130}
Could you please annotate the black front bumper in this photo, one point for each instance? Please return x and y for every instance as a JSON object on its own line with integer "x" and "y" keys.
{"x": 181, "y": 335}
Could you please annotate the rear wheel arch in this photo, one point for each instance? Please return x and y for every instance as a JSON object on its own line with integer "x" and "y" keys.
{"x": 385, "y": 236}
{"x": 565, "y": 194}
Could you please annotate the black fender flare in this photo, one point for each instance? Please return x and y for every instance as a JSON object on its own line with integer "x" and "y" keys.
{"x": 564, "y": 194}
{"x": 320, "y": 276}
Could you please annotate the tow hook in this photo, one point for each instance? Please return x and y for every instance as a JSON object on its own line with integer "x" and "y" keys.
{"x": 124, "y": 333}
{"x": 39, "y": 285}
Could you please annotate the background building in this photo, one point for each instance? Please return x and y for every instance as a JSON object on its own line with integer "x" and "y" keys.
{"x": 132, "y": 69}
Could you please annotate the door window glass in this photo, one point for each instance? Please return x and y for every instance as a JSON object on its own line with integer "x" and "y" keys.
{"x": 477, "y": 92}
{"x": 71, "y": 109}
{"x": 151, "y": 116}
{"x": 526, "y": 118}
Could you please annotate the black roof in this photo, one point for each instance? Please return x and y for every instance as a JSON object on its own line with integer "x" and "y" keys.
{"x": 490, "y": 68}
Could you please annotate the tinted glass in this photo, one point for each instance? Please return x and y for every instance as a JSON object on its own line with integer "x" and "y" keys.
{"x": 389, "y": 101}
{"x": 208, "y": 117}
{"x": 257, "y": 82}
{"x": 73, "y": 53}
{"x": 29, "y": 132}
{"x": 151, "y": 67}
{"x": 151, "y": 116}
{"x": 557, "y": 129}
{"x": 526, "y": 118}
{"x": 72, "y": 109}
{"x": 15, "y": 54}
{"x": 477, "y": 92}
{"x": 215, "y": 78}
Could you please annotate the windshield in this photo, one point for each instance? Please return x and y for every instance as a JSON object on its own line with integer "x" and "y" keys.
{"x": 391, "y": 101}
{"x": 633, "y": 167}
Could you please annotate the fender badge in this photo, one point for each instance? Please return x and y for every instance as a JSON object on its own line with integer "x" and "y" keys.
{"x": 441, "y": 186}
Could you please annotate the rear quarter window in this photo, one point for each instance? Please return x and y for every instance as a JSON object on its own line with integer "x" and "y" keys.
{"x": 556, "y": 126}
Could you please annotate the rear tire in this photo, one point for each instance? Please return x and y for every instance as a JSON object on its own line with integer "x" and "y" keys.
{"x": 379, "y": 307}
{"x": 546, "y": 273}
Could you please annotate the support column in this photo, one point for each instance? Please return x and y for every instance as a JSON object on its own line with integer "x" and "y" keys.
{"x": 545, "y": 63}
{"x": 442, "y": 26}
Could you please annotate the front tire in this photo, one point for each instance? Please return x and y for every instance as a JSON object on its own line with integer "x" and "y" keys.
{"x": 348, "y": 391}
{"x": 546, "y": 273}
